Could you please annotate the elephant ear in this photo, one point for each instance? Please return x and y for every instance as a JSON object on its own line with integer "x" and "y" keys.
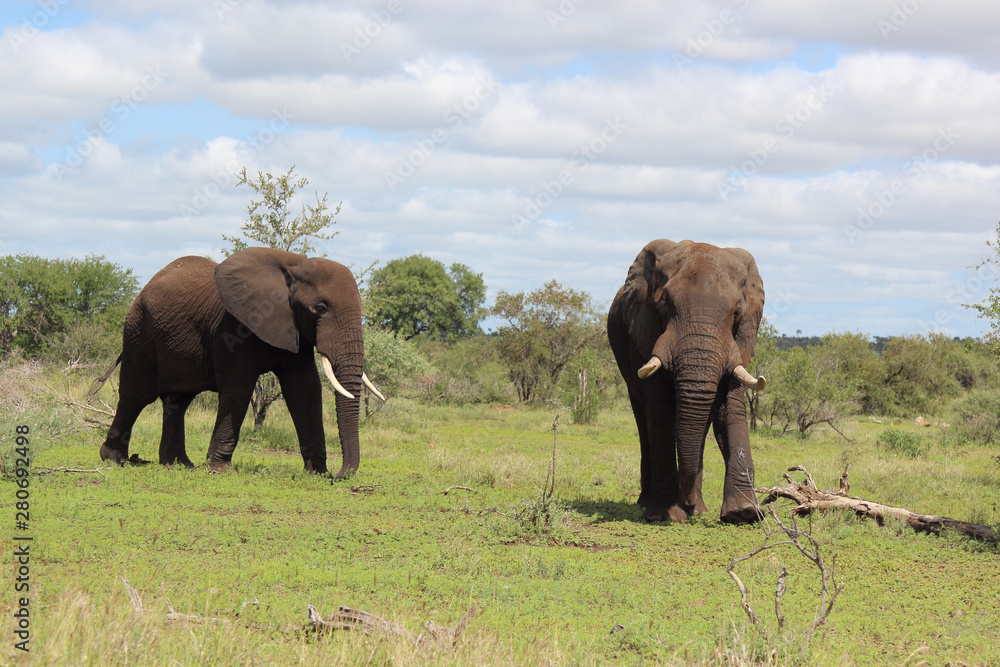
{"x": 253, "y": 285}
{"x": 645, "y": 277}
{"x": 752, "y": 308}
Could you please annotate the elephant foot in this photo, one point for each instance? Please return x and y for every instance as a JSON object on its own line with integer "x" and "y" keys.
{"x": 220, "y": 466}
{"x": 741, "y": 512}
{"x": 114, "y": 455}
{"x": 643, "y": 500}
{"x": 660, "y": 513}
{"x": 183, "y": 460}
{"x": 120, "y": 457}
{"x": 319, "y": 469}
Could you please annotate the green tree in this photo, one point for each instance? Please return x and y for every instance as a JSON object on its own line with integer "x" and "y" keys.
{"x": 989, "y": 308}
{"x": 417, "y": 295}
{"x": 544, "y": 331}
{"x": 813, "y": 385}
{"x": 270, "y": 222}
{"x": 765, "y": 357}
{"x": 854, "y": 368}
{"x": 272, "y": 225}
{"x": 44, "y": 300}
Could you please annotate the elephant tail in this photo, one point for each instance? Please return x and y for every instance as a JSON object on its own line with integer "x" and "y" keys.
{"x": 99, "y": 382}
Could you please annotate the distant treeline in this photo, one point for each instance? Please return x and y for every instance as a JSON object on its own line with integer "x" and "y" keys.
{"x": 423, "y": 338}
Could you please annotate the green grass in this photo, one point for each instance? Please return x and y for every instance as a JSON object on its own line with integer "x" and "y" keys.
{"x": 388, "y": 541}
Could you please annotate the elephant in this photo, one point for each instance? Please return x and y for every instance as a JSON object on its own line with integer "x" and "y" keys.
{"x": 683, "y": 329}
{"x": 201, "y": 326}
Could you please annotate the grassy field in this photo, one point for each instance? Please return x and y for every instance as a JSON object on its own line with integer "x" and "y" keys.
{"x": 571, "y": 579}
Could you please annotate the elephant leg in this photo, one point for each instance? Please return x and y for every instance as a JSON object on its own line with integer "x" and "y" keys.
{"x": 639, "y": 412}
{"x": 234, "y": 400}
{"x": 303, "y": 393}
{"x": 172, "y": 448}
{"x": 739, "y": 501}
{"x": 664, "y": 502}
{"x": 130, "y": 405}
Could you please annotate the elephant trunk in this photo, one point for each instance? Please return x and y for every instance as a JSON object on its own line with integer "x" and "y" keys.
{"x": 696, "y": 380}
{"x": 345, "y": 357}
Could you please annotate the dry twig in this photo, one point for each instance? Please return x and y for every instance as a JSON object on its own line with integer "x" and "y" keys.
{"x": 133, "y": 595}
{"x": 461, "y": 488}
{"x": 808, "y": 546}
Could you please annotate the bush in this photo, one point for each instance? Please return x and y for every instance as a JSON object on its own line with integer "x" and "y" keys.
{"x": 42, "y": 299}
{"x": 87, "y": 342}
{"x": 903, "y": 443}
{"x": 979, "y": 417}
{"x": 466, "y": 371}
{"x": 392, "y": 362}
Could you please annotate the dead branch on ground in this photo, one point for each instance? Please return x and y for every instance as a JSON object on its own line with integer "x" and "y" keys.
{"x": 809, "y": 498}
{"x": 46, "y": 471}
{"x": 460, "y": 488}
{"x": 346, "y": 618}
{"x": 133, "y": 595}
{"x": 175, "y": 616}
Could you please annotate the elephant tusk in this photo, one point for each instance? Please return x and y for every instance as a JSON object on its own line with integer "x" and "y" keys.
{"x": 749, "y": 381}
{"x": 372, "y": 387}
{"x": 651, "y": 367}
{"x": 328, "y": 369}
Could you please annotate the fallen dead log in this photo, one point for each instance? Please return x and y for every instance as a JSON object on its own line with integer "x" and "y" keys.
{"x": 346, "y": 618}
{"x": 810, "y": 498}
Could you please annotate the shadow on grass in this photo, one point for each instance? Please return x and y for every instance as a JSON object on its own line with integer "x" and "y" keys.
{"x": 607, "y": 510}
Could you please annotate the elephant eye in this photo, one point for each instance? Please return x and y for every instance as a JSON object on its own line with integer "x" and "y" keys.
{"x": 320, "y": 308}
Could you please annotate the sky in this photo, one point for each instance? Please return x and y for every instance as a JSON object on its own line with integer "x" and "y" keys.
{"x": 852, "y": 146}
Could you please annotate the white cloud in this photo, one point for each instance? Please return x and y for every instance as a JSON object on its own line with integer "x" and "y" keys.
{"x": 777, "y": 131}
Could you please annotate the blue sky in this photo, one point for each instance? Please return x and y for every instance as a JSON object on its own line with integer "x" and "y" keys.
{"x": 853, "y": 148}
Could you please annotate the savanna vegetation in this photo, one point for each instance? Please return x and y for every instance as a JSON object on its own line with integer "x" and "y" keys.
{"x": 500, "y": 476}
